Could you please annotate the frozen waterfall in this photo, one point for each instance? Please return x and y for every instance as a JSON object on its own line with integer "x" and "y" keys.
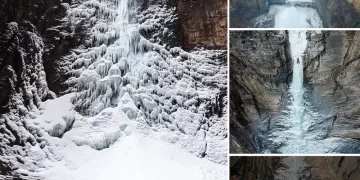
{"x": 290, "y": 15}
{"x": 133, "y": 99}
{"x": 299, "y": 128}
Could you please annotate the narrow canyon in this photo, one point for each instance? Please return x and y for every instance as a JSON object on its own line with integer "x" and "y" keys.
{"x": 294, "y": 92}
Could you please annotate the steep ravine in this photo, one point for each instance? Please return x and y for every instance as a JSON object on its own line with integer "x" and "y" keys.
{"x": 325, "y": 119}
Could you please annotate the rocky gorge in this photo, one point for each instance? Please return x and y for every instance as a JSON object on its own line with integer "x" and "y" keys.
{"x": 260, "y": 76}
{"x": 333, "y": 13}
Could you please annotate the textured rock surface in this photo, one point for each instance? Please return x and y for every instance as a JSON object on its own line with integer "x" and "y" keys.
{"x": 251, "y": 168}
{"x": 332, "y": 74}
{"x": 243, "y": 11}
{"x": 345, "y": 167}
{"x": 332, "y": 168}
{"x": 203, "y": 23}
{"x": 259, "y": 68}
{"x": 307, "y": 168}
{"x": 339, "y": 13}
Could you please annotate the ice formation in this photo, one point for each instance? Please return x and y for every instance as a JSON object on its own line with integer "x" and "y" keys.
{"x": 290, "y": 16}
{"x": 171, "y": 88}
{"x": 125, "y": 86}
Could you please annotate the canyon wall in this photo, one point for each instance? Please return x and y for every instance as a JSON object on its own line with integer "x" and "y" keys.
{"x": 345, "y": 167}
{"x": 251, "y": 168}
{"x": 332, "y": 74}
{"x": 243, "y": 11}
{"x": 203, "y": 23}
{"x": 339, "y": 13}
{"x": 309, "y": 168}
{"x": 259, "y": 72}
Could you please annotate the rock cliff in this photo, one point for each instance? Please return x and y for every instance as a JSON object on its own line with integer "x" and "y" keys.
{"x": 332, "y": 74}
{"x": 248, "y": 168}
{"x": 203, "y": 23}
{"x": 259, "y": 70}
{"x": 307, "y": 168}
{"x": 243, "y": 11}
{"x": 339, "y": 13}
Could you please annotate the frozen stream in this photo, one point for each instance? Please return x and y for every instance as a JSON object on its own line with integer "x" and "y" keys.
{"x": 289, "y": 16}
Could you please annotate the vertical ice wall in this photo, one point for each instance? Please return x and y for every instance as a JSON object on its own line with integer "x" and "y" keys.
{"x": 298, "y": 44}
{"x": 290, "y": 128}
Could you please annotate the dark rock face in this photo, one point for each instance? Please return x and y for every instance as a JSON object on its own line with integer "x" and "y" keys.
{"x": 307, "y": 168}
{"x": 345, "y": 167}
{"x": 203, "y": 23}
{"x": 333, "y": 167}
{"x": 243, "y": 11}
{"x": 251, "y": 168}
{"x": 332, "y": 72}
{"x": 339, "y": 13}
{"x": 199, "y": 23}
{"x": 37, "y": 36}
{"x": 259, "y": 68}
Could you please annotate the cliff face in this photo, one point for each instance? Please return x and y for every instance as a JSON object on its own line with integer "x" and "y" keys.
{"x": 203, "y": 23}
{"x": 332, "y": 73}
{"x": 339, "y": 13}
{"x": 259, "y": 68}
{"x": 345, "y": 167}
{"x": 249, "y": 168}
{"x": 333, "y": 168}
{"x": 243, "y": 11}
{"x": 309, "y": 168}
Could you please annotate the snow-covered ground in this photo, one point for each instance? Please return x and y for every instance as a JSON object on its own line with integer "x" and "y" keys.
{"x": 136, "y": 109}
{"x": 137, "y": 153}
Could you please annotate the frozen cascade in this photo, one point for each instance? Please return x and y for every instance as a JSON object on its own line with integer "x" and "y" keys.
{"x": 126, "y": 91}
{"x": 170, "y": 88}
{"x": 290, "y": 16}
{"x": 292, "y": 168}
{"x": 299, "y": 128}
